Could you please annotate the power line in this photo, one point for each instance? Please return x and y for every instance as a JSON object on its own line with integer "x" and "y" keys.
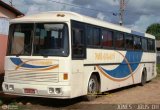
{"x": 77, "y": 6}
{"x": 121, "y": 13}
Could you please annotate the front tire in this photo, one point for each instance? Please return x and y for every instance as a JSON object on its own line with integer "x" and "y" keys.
{"x": 93, "y": 88}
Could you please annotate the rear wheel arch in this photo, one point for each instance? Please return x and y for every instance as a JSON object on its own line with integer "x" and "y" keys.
{"x": 143, "y": 77}
{"x": 96, "y": 78}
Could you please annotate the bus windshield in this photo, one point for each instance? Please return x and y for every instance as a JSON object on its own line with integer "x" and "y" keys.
{"x": 40, "y": 39}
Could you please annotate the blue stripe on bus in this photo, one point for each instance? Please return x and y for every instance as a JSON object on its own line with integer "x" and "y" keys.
{"x": 19, "y": 62}
{"x": 123, "y": 70}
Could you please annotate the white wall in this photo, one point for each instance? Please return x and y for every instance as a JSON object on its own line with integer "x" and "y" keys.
{"x": 4, "y": 26}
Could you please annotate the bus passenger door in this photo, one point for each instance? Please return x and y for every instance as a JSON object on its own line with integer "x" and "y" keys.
{"x": 78, "y": 56}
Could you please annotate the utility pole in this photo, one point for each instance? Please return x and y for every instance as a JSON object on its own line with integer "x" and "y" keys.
{"x": 122, "y": 10}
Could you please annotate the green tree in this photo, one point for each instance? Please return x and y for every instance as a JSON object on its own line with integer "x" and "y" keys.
{"x": 154, "y": 29}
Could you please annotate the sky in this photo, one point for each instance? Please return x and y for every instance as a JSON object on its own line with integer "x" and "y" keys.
{"x": 139, "y": 14}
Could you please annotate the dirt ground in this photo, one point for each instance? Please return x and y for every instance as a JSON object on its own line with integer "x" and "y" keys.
{"x": 133, "y": 97}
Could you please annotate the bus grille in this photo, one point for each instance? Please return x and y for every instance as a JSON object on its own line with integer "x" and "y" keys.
{"x": 33, "y": 77}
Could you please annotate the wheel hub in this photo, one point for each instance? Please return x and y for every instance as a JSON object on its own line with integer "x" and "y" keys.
{"x": 92, "y": 86}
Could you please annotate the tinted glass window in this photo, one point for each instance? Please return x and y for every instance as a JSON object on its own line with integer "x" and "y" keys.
{"x": 42, "y": 39}
{"x": 129, "y": 41}
{"x": 137, "y": 43}
{"x": 151, "y": 45}
{"x": 78, "y": 41}
{"x": 93, "y": 36}
{"x": 96, "y": 37}
{"x": 21, "y": 39}
{"x": 144, "y": 44}
{"x": 89, "y": 35}
{"x": 51, "y": 39}
{"x": 119, "y": 40}
{"x": 107, "y": 38}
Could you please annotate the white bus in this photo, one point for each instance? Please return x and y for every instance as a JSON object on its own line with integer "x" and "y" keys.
{"x": 66, "y": 55}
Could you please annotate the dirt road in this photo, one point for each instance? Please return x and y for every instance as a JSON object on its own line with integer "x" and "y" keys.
{"x": 148, "y": 94}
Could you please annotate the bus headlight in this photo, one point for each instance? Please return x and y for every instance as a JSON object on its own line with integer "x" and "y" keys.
{"x": 11, "y": 87}
{"x": 6, "y": 86}
{"x": 51, "y": 90}
{"x": 58, "y": 91}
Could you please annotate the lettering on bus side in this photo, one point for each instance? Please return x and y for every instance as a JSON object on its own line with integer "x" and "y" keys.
{"x": 104, "y": 56}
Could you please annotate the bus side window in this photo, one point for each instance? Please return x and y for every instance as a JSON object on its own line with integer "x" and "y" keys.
{"x": 107, "y": 38}
{"x": 119, "y": 40}
{"x": 93, "y": 36}
{"x": 129, "y": 42}
{"x": 78, "y": 42}
{"x": 137, "y": 43}
{"x": 151, "y": 45}
{"x": 144, "y": 44}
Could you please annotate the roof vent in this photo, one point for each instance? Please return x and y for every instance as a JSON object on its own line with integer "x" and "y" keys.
{"x": 60, "y": 15}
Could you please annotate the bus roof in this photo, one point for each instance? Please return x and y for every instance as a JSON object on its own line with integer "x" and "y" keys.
{"x": 64, "y": 16}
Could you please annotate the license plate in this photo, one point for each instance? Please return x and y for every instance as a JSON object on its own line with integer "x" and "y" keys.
{"x": 30, "y": 91}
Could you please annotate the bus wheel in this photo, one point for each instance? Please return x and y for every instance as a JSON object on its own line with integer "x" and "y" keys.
{"x": 143, "y": 78}
{"x": 93, "y": 88}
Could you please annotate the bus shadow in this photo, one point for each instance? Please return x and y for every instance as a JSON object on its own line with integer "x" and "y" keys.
{"x": 61, "y": 103}
{"x": 125, "y": 88}
{"x": 48, "y": 102}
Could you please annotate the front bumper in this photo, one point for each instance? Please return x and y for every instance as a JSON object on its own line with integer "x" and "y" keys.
{"x": 41, "y": 90}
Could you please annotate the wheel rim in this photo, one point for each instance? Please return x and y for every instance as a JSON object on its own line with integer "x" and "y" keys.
{"x": 92, "y": 87}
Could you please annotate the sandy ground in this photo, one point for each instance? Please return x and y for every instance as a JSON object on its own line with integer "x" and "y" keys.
{"x": 123, "y": 98}
{"x": 148, "y": 94}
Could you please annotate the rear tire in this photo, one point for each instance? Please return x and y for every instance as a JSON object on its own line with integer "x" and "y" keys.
{"x": 93, "y": 88}
{"x": 143, "y": 78}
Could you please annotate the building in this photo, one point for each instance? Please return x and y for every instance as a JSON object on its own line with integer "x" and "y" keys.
{"x": 7, "y": 12}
